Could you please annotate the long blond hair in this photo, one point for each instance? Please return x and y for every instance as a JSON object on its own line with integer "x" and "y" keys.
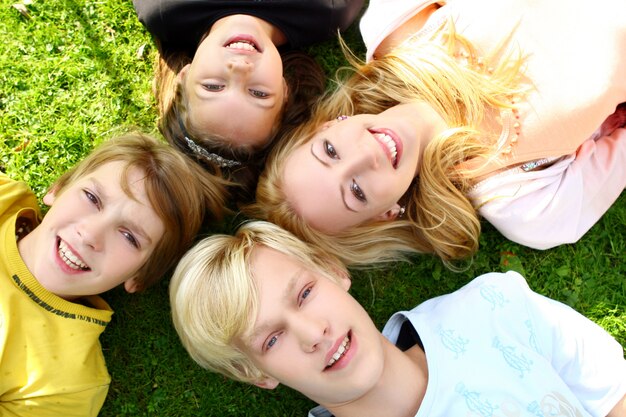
{"x": 440, "y": 218}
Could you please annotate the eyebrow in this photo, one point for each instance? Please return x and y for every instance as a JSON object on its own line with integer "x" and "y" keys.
{"x": 136, "y": 227}
{"x": 291, "y": 285}
{"x": 341, "y": 190}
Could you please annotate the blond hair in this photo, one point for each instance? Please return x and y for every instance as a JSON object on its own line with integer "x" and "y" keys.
{"x": 181, "y": 196}
{"x": 214, "y": 299}
{"x": 440, "y": 218}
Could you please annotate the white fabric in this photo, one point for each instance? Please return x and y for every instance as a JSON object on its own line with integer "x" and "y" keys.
{"x": 383, "y": 16}
{"x": 496, "y": 348}
{"x": 579, "y": 77}
{"x": 559, "y": 204}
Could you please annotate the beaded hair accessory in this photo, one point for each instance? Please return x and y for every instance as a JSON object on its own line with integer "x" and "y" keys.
{"x": 199, "y": 151}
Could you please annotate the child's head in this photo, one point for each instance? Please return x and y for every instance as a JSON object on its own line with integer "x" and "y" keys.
{"x": 225, "y": 106}
{"x": 342, "y": 182}
{"x": 263, "y": 307}
{"x": 125, "y": 214}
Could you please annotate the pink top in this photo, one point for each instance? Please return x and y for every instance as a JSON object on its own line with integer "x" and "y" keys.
{"x": 579, "y": 77}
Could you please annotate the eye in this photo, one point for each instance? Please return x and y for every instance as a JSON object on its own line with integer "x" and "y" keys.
{"x": 357, "y": 192}
{"x": 92, "y": 198}
{"x": 130, "y": 238}
{"x": 304, "y": 294}
{"x": 258, "y": 93}
{"x": 330, "y": 150}
{"x": 270, "y": 342}
{"x": 213, "y": 87}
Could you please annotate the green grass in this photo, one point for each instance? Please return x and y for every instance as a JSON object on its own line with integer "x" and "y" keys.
{"x": 78, "y": 72}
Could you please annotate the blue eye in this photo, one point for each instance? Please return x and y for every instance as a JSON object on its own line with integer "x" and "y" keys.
{"x": 258, "y": 93}
{"x": 271, "y": 342}
{"x": 330, "y": 150}
{"x": 357, "y": 192}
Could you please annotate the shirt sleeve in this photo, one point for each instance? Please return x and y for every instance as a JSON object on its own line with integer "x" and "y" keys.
{"x": 587, "y": 358}
{"x": 85, "y": 403}
{"x": 560, "y": 204}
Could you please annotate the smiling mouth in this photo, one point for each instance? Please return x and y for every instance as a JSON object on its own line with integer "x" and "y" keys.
{"x": 341, "y": 351}
{"x": 70, "y": 258}
{"x": 243, "y": 45}
{"x": 390, "y": 145}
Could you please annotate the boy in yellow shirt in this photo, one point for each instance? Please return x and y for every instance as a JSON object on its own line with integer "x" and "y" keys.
{"x": 124, "y": 215}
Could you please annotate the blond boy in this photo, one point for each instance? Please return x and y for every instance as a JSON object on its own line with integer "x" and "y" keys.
{"x": 263, "y": 308}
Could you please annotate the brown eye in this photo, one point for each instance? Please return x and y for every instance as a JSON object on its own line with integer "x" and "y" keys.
{"x": 330, "y": 150}
{"x": 357, "y": 192}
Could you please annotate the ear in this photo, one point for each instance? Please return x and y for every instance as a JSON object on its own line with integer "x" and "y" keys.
{"x": 182, "y": 73}
{"x": 344, "y": 279}
{"x": 267, "y": 383}
{"x": 50, "y": 196}
{"x": 390, "y": 214}
{"x": 131, "y": 285}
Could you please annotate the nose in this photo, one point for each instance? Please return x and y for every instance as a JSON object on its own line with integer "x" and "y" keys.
{"x": 239, "y": 65}
{"x": 365, "y": 156}
{"x": 311, "y": 331}
{"x": 91, "y": 232}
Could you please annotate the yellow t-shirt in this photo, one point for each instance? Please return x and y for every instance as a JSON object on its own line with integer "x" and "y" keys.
{"x": 51, "y": 361}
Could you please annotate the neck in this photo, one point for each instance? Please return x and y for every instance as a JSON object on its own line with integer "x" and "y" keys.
{"x": 400, "y": 390}
{"x": 406, "y": 30}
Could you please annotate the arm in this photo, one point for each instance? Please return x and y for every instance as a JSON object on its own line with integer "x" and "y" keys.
{"x": 559, "y": 205}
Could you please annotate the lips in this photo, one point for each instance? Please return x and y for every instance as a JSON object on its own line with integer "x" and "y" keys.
{"x": 243, "y": 43}
{"x": 340, "y": 349}
{"x": 391, "y": 144}
{"x": 69, "y": 258}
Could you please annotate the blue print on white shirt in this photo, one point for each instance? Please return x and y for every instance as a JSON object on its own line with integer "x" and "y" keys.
{"x": 519, "y": 362}
{"x": 493, "y": 296}
{"x": 455, "y": 344}
{"x": 474, "y": 402}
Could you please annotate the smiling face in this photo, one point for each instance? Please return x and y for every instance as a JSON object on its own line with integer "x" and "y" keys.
{"x": 310, "y": 334}
{"x": 357, "y": 169}
{"x": 95, "y": 236}
{"x": 234, "y": 85}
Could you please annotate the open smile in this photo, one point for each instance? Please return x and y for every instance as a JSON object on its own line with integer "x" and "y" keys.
{"x": 243, "y": 43}
{"x": 391, "y": 144}
{"x": 69, "y": 257}
{"x": 340, "y": 352}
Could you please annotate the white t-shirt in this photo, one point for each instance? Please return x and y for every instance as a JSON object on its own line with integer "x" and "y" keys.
{"x": 496, "y": 348}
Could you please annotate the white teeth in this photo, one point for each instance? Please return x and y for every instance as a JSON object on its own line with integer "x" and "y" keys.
{"x": 389, "y": 143}
{"x": 248, "y": 46}
{"x": 69, "y": 257}
{"x": 343, "y": 348}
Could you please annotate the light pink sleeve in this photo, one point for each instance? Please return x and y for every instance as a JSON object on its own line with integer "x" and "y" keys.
{"x": 560, "y": 204}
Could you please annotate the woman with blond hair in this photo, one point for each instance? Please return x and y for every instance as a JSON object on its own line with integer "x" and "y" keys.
{"x": 505, "y": 109}
{"x": 229, "y": 77}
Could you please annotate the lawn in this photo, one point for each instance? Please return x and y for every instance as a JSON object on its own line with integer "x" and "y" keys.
{"x": 74, "y": 73}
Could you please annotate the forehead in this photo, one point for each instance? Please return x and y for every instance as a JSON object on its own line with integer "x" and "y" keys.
{"x": 316, "y": 190}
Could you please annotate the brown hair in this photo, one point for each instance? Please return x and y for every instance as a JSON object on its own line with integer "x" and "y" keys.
{"x": 180, "y": 194}
{"x": 305, "y": 80}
